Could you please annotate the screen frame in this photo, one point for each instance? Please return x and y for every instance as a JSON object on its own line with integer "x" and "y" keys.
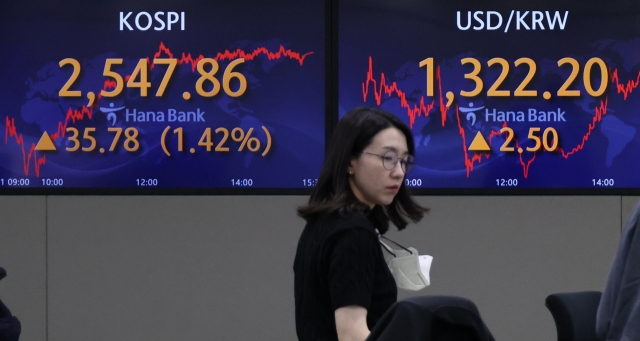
{"x": 619, "y": 191}
{"x": 331, "y": 20}
{"x": 330, "y": 116}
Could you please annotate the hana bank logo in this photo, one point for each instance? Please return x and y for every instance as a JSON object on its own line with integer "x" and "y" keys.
{"x": 111, "y": 113}
{"x": 470, "y": 111}
{"x": 166, "y": 115}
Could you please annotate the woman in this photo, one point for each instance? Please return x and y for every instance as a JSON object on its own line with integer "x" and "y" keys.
{"x": 342, "y": 283}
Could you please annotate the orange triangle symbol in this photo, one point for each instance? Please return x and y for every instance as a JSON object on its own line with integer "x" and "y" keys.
{"x": 45, "y": 143}
{"x": 479, "y": 144}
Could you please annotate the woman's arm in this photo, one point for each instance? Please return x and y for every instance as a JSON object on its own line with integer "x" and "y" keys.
{"x": 351, "y": 323}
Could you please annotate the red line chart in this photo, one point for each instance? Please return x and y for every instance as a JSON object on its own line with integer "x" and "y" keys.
{"x": 381, "y": 87}
{"x": 31, "y": 157}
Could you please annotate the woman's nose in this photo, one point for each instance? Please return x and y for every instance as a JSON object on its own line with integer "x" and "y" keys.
{"x": 397, "y": 171}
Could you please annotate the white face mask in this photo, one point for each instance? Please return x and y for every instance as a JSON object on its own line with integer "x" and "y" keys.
{"x": 409, "y": 269}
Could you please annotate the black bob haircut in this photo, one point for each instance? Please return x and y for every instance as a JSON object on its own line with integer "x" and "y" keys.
{"x": 352, "y": 135}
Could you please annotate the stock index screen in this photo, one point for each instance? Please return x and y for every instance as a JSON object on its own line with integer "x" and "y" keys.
{"x": 502, "y": 95}
{"x": 162, "y": 94}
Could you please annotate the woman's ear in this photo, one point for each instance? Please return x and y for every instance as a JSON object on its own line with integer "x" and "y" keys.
{"x": 350, "y": 169}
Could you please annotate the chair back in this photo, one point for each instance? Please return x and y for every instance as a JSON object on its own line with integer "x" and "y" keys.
{"x": 10, "y": 326}
{"x": 575, "y": 314}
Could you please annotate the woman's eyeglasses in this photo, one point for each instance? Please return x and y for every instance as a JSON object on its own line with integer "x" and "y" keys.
{"x": 390, "y": 160}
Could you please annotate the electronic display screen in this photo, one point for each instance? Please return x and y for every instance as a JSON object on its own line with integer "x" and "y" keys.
{"x": 199, "y": 95}
{"x": 502, "y": 95}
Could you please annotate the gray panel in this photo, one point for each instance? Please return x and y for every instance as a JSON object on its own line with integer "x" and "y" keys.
{"x": 627, "y": 205}
{"x": 508, "y": 253}
{"x": 23, "y": 255}
{"x": 202, "y": 268}
{"x": 172, "y": 268}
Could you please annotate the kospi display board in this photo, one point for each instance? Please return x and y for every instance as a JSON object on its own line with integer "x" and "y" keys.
{"x": 502, "y": 96}
{"x": 175, "y": 95}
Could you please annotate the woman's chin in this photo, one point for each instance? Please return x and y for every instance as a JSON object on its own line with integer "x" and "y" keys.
{"x": 386, "y": 200}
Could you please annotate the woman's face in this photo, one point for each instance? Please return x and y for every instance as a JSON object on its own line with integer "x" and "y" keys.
{"x": 370, "y": 181}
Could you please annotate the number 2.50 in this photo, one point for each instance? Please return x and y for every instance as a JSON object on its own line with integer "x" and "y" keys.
{"x": 549, "y": 146}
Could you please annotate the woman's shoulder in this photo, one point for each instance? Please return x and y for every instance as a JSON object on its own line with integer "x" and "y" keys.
{"x": 337, "y": 222}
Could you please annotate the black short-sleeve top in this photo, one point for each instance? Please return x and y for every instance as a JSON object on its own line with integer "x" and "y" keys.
{"x": 339, "y": 262}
